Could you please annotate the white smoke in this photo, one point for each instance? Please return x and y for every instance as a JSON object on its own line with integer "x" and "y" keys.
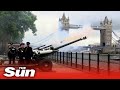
{"x": 47, "y": 25}
{"x": 61, "y": 34}
{"x": 79, "y": 33}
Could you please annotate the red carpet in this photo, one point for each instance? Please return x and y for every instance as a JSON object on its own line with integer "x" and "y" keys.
{"x": 62, "y": 72}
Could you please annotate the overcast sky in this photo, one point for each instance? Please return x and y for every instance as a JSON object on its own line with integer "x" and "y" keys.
{"x": 48, "y": 26}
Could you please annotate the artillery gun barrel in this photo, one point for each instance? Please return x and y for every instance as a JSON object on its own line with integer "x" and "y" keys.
{"x": 70, "y": 43}
{"x": 46, "y": 52}
{"x": 39, "y": 47}
{"x": 46, "y": 47}
{"x": 42, "y": 46}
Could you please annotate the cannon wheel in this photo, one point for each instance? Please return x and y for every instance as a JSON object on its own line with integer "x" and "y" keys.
{"x": 45, "y": 65}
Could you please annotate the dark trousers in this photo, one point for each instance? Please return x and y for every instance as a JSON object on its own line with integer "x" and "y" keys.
{"x": 28, "y": 60}
{"x": 21, "y": 60}
{"x": 12, "y": 59}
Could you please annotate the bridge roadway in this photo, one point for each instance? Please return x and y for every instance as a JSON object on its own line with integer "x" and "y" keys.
{"x": 64, "y": 72}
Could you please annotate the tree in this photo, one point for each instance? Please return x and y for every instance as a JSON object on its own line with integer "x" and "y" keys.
{"x": 16, "y": 23}
{"x": 13, "y": 25}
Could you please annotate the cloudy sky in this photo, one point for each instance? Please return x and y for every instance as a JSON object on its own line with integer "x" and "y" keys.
{"x": 48, "y": 31}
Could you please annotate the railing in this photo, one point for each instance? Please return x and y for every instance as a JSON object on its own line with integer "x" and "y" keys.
{"x": 88, "y": 61}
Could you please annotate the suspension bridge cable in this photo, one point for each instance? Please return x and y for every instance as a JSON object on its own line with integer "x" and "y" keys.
{"x": 115, "y": 34}
{"x": 44, "y": 38}
{"x": 115, "y": 41}
{"x": 46, "y": 41}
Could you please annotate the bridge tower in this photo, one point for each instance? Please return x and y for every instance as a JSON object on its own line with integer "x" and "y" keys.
{"x": 106, "y": 34}
{"x": 65, "y": 22}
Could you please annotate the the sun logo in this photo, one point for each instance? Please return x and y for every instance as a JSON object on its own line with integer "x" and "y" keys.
{"x": 20, "y": 72}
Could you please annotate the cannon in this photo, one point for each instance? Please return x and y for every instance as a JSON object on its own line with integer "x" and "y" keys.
{"x": 46, "y": 47}
{"x": 39, "y": 59}
{"x": 39, "y": 56}
{"x": 39, "y": 47}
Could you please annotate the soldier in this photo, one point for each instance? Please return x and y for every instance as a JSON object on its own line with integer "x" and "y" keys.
{"x": 12, "y": 53}
{"x": 21, "y": 53}
{"x": 28, "y": 53}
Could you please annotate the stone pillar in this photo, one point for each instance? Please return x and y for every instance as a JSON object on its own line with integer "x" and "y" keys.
{"x": 106, "y": 35}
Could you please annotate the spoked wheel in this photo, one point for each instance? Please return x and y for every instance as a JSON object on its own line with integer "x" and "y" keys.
{"x": 45, "y": 65}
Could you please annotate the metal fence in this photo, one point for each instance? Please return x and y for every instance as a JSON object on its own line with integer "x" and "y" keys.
{"x": 97, "y": 62}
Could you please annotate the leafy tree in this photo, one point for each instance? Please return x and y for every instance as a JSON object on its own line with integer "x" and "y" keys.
{"x": 14, "y": 24}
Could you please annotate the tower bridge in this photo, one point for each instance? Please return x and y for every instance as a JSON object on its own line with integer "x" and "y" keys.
{"x": 72, "y": 59}
{"x": 72, "y": 26}
{"x": 105, "y": 32}
{"x": 105, "y": 29}
{"x": 98, "y": 27}
{"x": 106, "y": 45}
{"x": 66, "y": 23}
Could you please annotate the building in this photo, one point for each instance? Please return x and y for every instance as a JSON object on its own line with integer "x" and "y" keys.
{"x": 106, "y": 34}
{"x": 65, "y": 22}
{"x": 106, "y": 45}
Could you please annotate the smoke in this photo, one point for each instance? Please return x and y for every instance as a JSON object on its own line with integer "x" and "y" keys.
{"x": 79, "y": 33}
{"x": 47, "y": 24}
{"x": 56, "y": 36}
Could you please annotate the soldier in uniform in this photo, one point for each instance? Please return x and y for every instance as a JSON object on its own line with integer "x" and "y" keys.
{"x": 12, "y": 52}
{"x": 28, "y": 53}
{"x": 21, "y": 53}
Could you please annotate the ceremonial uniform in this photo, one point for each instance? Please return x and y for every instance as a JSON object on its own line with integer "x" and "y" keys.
{"x": 28, "y": 53}
{"x": 12, "y": 54}
{"x": 21, "y": 55}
